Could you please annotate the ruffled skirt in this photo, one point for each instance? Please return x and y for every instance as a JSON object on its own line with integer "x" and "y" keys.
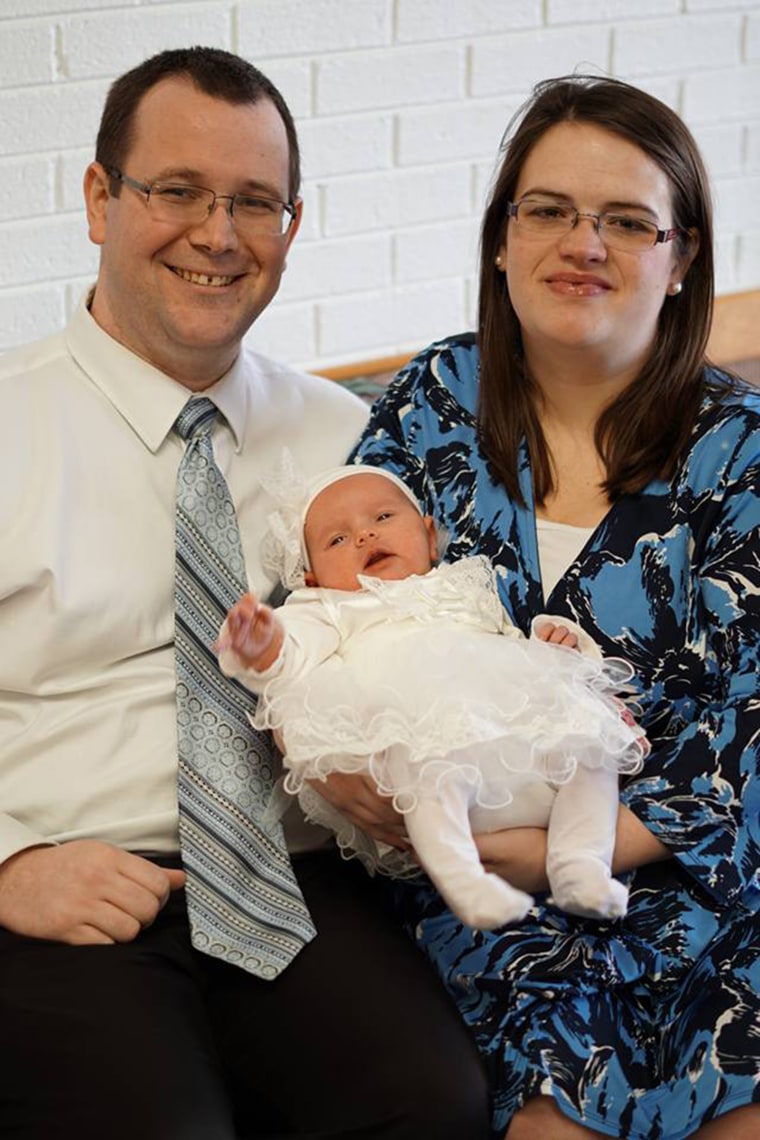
{"x": 439, "y": 699}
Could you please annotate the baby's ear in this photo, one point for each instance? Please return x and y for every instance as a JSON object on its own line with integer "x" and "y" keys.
{"x": 432, "y": 538}
{"x": 309, "y": 579}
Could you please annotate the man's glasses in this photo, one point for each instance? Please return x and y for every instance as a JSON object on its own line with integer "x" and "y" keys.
{"x": 185, "y": 205}
{"x": 619, "y": 230}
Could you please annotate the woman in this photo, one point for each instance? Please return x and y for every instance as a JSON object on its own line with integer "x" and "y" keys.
{"x": 581, "y": 442}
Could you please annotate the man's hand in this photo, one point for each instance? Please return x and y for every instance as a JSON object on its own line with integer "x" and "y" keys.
{"x": 355, "y": 796}
{"x": 84, "y": 893}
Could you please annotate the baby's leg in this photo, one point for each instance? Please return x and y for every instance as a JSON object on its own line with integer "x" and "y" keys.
{"x": 439, "y": 829}
{"x": 580, "y": 844}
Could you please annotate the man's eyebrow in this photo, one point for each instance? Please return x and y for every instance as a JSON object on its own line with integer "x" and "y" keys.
{"x": 187, "y": 174}
{"x": 558, "y": 196}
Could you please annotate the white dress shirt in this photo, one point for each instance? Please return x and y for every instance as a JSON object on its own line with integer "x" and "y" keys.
{"x": 88, "y": 741}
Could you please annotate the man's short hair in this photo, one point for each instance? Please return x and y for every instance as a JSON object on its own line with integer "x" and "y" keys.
{"x": 211, "y": 70}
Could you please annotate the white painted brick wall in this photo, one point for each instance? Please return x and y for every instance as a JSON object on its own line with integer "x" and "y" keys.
{"x": 507, "y": 64}
{"x": 327, "y": 268}
{"x": 310, "y": 27}
{"x": 397, "y": 198}
{"x": 465, "y": 129}
{"x": 26, "y": 53}
{"x": 401, "y": 105}
{"x": 27, "y": 186}
{"x": 346, "y": 144}
{"x": 688, "y": 43}
{"x": 720, "y": 5}
{"x": 108, "y": 43}
{"x": 715, "y": 96}
{"x": 594, "y": 11}
{"x": 442, "y": 20}
{"x": 753, "y": 147}
{"x": 434, "y": 252}
{"x": 393, "y": 77}
{"x": 753, "y": 38}
{"x": 722, "y": 145}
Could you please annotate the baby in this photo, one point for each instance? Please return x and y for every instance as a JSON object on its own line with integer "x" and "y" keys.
{"x": 383, "y": 662}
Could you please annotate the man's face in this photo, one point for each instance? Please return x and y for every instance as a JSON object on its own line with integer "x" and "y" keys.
{"x": 183, "y": 296}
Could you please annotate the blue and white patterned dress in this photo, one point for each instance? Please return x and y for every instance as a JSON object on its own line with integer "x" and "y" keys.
{"x": 649, "y": 1026}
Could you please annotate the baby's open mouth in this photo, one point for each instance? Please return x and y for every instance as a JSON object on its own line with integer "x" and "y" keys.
{"x": 375, "y": 557}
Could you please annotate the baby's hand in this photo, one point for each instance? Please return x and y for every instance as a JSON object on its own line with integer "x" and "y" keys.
{"x": 250, "y": 630}
{"x": 557, "y": 635}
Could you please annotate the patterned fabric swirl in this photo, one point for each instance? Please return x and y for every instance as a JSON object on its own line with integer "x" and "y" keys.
{"x": 244, "y": 903}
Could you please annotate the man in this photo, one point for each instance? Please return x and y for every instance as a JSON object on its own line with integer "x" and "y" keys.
{"x": 114, "y": 1025}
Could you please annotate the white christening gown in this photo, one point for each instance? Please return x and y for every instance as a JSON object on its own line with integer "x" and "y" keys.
{"x": 466, "y": 723}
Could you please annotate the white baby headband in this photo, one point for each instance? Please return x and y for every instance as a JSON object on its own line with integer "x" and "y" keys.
{"x": 284, "y": 551}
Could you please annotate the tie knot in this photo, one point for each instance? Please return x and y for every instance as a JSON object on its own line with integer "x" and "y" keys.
{"x": 194, "y": 417}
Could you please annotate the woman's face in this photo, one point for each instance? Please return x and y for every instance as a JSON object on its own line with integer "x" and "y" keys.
{"x": 574, "y": 297}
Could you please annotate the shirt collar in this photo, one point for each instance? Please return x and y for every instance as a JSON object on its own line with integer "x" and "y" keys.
{"x": 145, "y": 397}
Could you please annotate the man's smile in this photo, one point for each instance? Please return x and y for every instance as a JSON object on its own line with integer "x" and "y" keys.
{"x": 215, "y": 280}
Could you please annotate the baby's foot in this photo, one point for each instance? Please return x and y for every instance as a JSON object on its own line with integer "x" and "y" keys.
{"x": 587, "y": 888}
{"x": 489, "y": 902}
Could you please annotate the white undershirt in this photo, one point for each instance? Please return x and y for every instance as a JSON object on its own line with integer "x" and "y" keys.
{"x": 559, "y": 544}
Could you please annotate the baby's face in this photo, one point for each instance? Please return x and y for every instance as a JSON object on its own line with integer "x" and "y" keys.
{"x": 363, "y": 524}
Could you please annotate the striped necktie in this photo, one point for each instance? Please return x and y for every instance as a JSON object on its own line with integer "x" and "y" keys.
{"x": 243, "y": 900}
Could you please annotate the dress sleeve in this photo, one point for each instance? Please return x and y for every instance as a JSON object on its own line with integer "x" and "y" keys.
{"x": 699, "y": 791}
{"x": 310, "y": 638}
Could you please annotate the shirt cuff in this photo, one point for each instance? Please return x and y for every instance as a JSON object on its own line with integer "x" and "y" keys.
{"x": 15, "y": 837}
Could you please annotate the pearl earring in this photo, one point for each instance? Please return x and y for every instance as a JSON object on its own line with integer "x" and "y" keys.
{"x": 498, "y": 262}
{"x": 675, "y": 289}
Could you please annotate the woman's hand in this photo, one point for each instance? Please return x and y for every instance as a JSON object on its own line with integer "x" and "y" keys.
{"x": 518, "y": 855}
{"x": 355, "y": 796}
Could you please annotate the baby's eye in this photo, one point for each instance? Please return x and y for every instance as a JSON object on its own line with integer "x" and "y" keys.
{"x": 384, "y": 515}
{"x": 336, "y": 540}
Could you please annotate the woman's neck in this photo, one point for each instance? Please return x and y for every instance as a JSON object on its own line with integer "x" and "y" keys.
{"x": 576, "y": 386}
{"x": 573, "y": 391}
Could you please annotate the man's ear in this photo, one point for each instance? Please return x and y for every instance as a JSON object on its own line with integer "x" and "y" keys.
{"x": 432, "y": 538}
{"x": 309, "y": 579}
{"x": 293, "y": 227}
{"x": 96, "y": 197}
